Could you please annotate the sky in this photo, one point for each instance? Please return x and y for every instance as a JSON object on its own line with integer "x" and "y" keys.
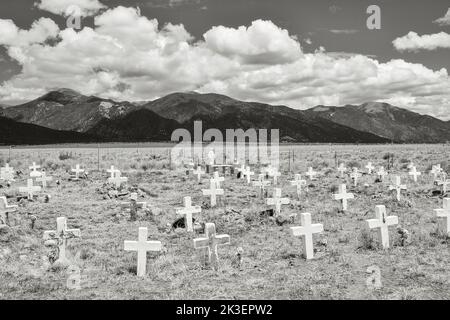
{"x": 283, "y": 52}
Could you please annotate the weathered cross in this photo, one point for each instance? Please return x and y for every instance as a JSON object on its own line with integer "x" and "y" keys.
{"x": 311, "y": 173}
{"x": 444, "y": 183}
{"x": 34, "y": 173}
{"x": 133, "y": 206}
{"x": 354, "y": 176}
{"x": 382, "y": 222}
{"x": 261, "y": 183}
{"x": 210, "y": 242}
{"x": 77, "y": 171}
{"x": 381, "y": 173}
{"x": 343, "y": 196}
{"x": 218, "y": 179}
{"x": 142, "y": 246}
{"x": 342, "y": 169}
{"x": 7, "y": 173}
{"x": 298, "y": 182}
{"x": 414, "y": 173}
{"x": 199, "y": 173}
{"x": 274, "y": 173}
{"x": 117, "y": 180}
{"x": 5, "y": 209}
{"x": 187, "y": 212}
{"x": 61, "y": 235}
{"x": 213, "y": 192}
{"x": 113, "y": 171}
{"x": 370, "y": 168}
{"x": 306, "y": 231}
{"x": 248, "y": 174}
{"x": 436, "y": 170}
{"x": 30, "y": 189}
{"x": 277, "y": 201}
{"x": 44, "y": 179}
{"x": 445, "y": 214}
{"x": 398, "y": 187}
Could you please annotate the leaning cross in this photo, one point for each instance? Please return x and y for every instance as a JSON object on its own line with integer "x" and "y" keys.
{"x": 298, "y": 182}
{"x": 210, "y": 242}
{"x": 213, "y": 191}
{"x": 187, "y": 212}
{"x": 445, "y": 213}
{"x": 306, "y": 231}
{"x": 30, "y": 189}
{"x": 398, "y": 187}
{"x": 382, "y": 222}
{"x": 142, "y": 246}
{"x": 5, "y": 209}
{"x": 414, "y": 173}
{"x": 61, "y": 235}
{"x": 277, "y": 201}
{"x": 343, "y": 196}
{"x": 44, "y": 179}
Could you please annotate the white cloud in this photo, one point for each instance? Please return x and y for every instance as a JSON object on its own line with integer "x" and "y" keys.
{"x": 65, "y": 7}
{"x": 445, "y": 20}
{"x": 344, "y": 31}
{"x": 126, "y": 56}
{"x": 413, "y": 42}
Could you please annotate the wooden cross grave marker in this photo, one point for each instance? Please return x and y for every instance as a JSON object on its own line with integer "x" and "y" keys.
{"x": 141, "y": 247}
{"x": 343, "y": 196}
{"x": 414, "y": 173}
{"x": 370, "y": 168}
{"x": 298, "y": 182}
{"x": 398, "y": 187}
{"x": 277, "y": 201}
{"x": 445, "y": 214}
{"x": 5, "y": 210}
{"x": 187, "y": 211}
{"x": 133, "y": 205}
{"x": 210, "y": 242}
{"x": 30, "y": 189}
{"x": 306, "y": 231}
{"x": 77, "y": 172}
{"x": 61, "y": 235}
{"x": 382, "y": 222}
{"x": 34, "y": 173}
{"x": 44, "y": 179}
{"x": 213, "y": 192}
{"x": 262, "y": 184}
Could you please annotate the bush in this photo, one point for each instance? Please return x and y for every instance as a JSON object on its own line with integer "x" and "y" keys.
{"x": 65, "y": 156}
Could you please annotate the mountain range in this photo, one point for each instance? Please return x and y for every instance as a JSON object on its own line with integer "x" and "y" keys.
{"x": 65, "y": 115}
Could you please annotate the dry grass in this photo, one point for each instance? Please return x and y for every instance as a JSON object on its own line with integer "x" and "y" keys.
{"x": 272, "y": 268}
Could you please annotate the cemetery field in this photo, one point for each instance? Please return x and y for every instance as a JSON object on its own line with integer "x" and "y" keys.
{"x": 272, "y": 265}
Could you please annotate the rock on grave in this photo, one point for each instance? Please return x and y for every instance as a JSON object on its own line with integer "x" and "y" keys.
{"x": 306, "y": 231}
{"x": 142, "y": 246}
{"x": 210, "y": 242}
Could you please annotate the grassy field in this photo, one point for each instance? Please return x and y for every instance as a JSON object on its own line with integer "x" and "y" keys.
{"x": 272, "y": 265}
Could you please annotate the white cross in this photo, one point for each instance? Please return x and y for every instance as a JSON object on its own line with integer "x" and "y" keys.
{"x": 113, "y": 171}
{"x": 210, "y": 242}
{"x": 34, "y": 173}
{"x": 306, "y": 231}
{"x": 213, "y": 192}
{"x": 61, "y": 235}
{"x": 274, "y": 173}
{"x": 142, "y": 246}
{"x": 298, "y": 182}
{"x": 187, "y": 212}
{"x": 29, "y": 189}
{"x": 382, "y": 222}
{"x": 398, "y": 187}
{"x": 410, "y": 165}
{"x": 117, "y": 180}
{"x": 218, "y": 179}
{"x": 445, "y": 213}
{"x": 311, "y": 173}
{"x": 241, "y": 170}
{"x": 248, "y": 174}
{"x": 414, "y": 173}
{"x": 7, "y": 173}
{"x": 44, "y": 179}
{"x": 436, "y": 170}
{"x": 381, "y": 173}
{"x": 355, "y": 175}
{"x": 343, "y": 196}
{"x": 77, "y": 171}
{"x": 211, "y": 157}
{"x": 444, "y": 183}
{"x": 5, "y": 209}
{"x": 342, "y": 169}
{"x": 198, "y": 172}
{"x": 277, "y": 201}
{"x": 261, "y": 183}
{"x": 370, "y": 168}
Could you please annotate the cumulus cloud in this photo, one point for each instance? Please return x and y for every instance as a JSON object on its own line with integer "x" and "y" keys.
{"x": 71, "y": 7}
{"x": 127, "y": 56}
{"x": 445, "y": 20}
{"x": 413, "y": 42}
